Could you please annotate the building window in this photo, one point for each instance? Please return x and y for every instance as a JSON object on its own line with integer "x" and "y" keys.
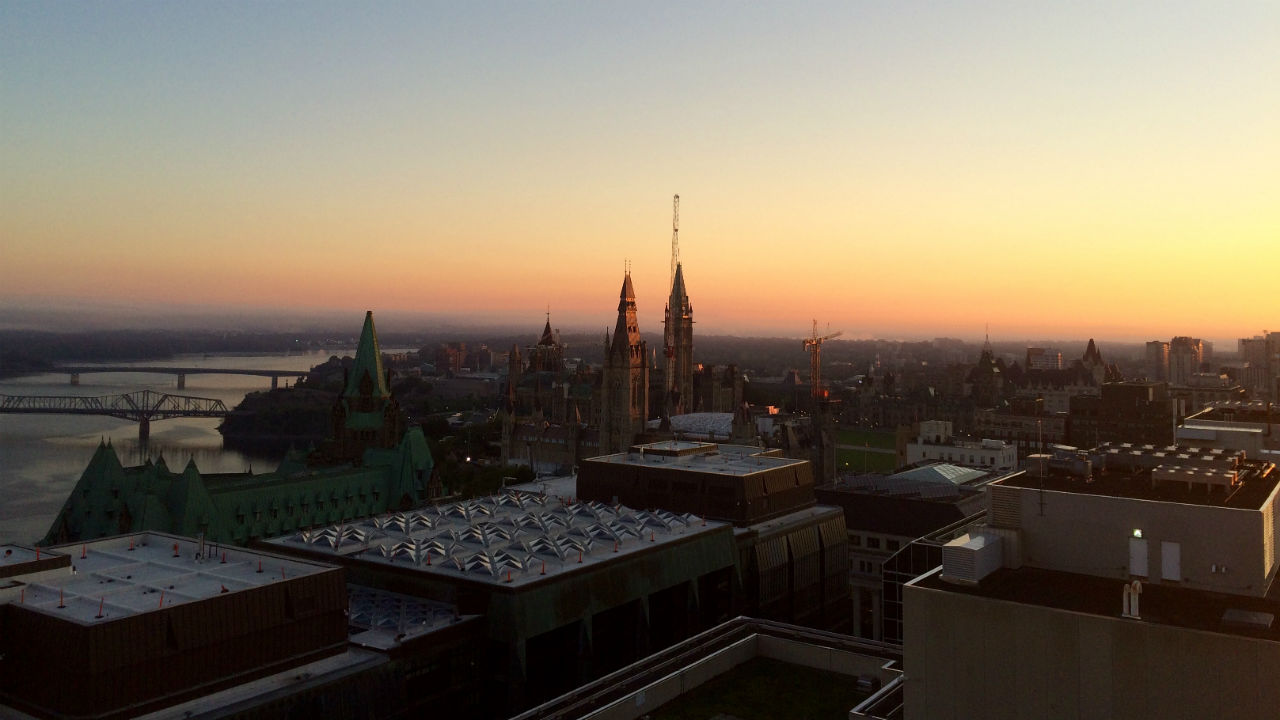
{"x": 873, "y": 542}
{"x": 855, "y": 541}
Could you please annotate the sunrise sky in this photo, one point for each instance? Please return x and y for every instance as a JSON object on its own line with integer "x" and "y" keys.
{"x": 895, "y": 169}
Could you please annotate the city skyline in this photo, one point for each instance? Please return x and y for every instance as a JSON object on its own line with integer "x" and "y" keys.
{"x": 893, "y": 171}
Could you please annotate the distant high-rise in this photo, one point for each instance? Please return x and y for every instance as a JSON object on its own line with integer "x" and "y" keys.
{"x": 625, "y": 378}
{"x": 1185, "y": 356}
{"x": 1157, "y": 360}
{"x": 1261, "y": 356}
{"x": 1039, "y": 358}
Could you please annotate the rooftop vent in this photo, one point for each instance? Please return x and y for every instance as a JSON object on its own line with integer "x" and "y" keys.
{"x": 1247, "y": 619}
{"x": 969, "y": 558}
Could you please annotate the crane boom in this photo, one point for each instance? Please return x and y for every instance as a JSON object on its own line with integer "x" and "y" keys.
{"x": 813, "y": 344}
{"x": 675, "y": 240}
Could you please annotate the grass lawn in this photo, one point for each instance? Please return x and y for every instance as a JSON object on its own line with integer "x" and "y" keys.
{"x": 874, "y": 438}
{"x": 765, "y": 689}
{"x": 852, "y": 461}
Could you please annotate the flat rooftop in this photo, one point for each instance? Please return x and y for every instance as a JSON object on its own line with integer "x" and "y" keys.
{"x": 763, "y": 687}
{"x": 1239, "y": 411}
{"x": 1257, "y": 480}
{"x": 126, "y": 575}
{"x": 12, "y": 555}
{"x": 383, "y": 620}
{"x": 553, "y": 485}
{"x": 1162, "y": 604}
{"x": 730, "y": 460}
{"x": 710, "y": 659}
{"x": 512, "y": 538}
{"x": 942, "y": 482}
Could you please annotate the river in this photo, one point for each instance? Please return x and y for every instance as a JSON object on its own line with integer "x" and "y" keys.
{"x": 42, "y": 456}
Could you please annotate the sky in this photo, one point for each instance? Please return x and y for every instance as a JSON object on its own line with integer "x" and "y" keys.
{"x": 889, "y": 169}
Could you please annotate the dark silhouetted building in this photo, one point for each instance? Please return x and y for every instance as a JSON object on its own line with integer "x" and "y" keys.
{"x": 1135, "y": 412}
{"x": 793, "y": 553}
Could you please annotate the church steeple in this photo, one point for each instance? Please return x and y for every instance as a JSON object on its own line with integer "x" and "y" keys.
{"x": 625, "y": 378}
{"x": 367, "y": 378}
{"x": 626, "y": 333}
{"x": 365, "y": 415}
{"x": 548, "y": 335}
{"x": 678, "y": 336}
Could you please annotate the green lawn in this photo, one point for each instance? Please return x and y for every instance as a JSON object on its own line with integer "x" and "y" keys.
{"x": 852, "y": 461}
{"x": 767, "y": 689}
{"x": 874, "y": 438}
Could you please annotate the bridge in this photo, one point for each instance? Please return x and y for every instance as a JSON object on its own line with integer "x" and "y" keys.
{"x": 75, "y": 371}
{"x": 141, "y": 406}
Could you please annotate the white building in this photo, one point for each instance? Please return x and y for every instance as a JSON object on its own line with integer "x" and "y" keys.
{"x": 936, "y": 442}
{"x": 1142, "y": 593}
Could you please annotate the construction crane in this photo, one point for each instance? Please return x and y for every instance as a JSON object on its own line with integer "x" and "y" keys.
{"x": 813, "y": 344}
{"x": 669, "y": 349}
{"x": 675, "y": 240}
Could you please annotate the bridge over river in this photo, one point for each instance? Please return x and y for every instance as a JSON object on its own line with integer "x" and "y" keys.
{"x": 75, "y": 371}
{"x": 141, "y": 406}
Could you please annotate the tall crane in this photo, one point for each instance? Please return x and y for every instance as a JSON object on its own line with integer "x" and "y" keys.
{"x": 675, "y": 240}
{"x": 813, "y": 344}
{"x": 669, "y": 343}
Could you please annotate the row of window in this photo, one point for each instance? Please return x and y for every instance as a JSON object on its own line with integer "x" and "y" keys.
{"x": 274, "y": 513}
{"x": 873, "y": 542}
{"x": 989, "y": 460}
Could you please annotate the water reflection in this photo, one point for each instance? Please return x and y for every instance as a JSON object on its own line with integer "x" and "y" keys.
{"x": 42, "y": 456}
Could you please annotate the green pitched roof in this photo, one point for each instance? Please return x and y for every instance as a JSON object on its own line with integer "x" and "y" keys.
{"x": 368, "y": 362}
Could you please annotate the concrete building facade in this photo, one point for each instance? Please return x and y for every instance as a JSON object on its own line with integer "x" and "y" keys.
{"x": 1141, "y": 586}
{"x": 793, "y": 553}
{"x": 133, "y": 623}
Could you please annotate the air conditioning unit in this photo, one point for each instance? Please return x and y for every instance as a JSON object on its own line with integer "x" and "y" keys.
{"x": 969, "y": 558}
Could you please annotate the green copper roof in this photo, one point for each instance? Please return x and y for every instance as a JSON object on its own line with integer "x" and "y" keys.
{"x": 235, "y": 507}
{"x": 368, "y": 363}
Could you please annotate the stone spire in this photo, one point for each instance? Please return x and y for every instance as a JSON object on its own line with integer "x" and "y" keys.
{"x": 679, "y": 347}
{"x": 625, "y": 378}
{"x": 1092, "y": 356}
{"x": 366, "y": 378}
{"x": 626, "y": 333}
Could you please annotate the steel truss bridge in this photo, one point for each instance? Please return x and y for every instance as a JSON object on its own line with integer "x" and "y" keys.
{"x": 141, "y": 406}
{"x": 75, "y": 371}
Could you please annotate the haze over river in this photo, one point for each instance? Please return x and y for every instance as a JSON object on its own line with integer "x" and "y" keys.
{"x": 42, "y": 456}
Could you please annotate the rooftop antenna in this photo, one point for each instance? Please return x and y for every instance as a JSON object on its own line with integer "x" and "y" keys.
{"x": 1044, "y": 462}
{"x": 675, "y": 239}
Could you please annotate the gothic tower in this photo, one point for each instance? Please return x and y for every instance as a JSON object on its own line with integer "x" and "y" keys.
{"x": 365, "y": 415}
{"x": 679, "y": 348}
{"x": 986, "y": 384}
{"x": 625, "y": 379}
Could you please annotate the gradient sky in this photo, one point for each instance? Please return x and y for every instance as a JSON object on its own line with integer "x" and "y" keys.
{"x": 896, "y": 169}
